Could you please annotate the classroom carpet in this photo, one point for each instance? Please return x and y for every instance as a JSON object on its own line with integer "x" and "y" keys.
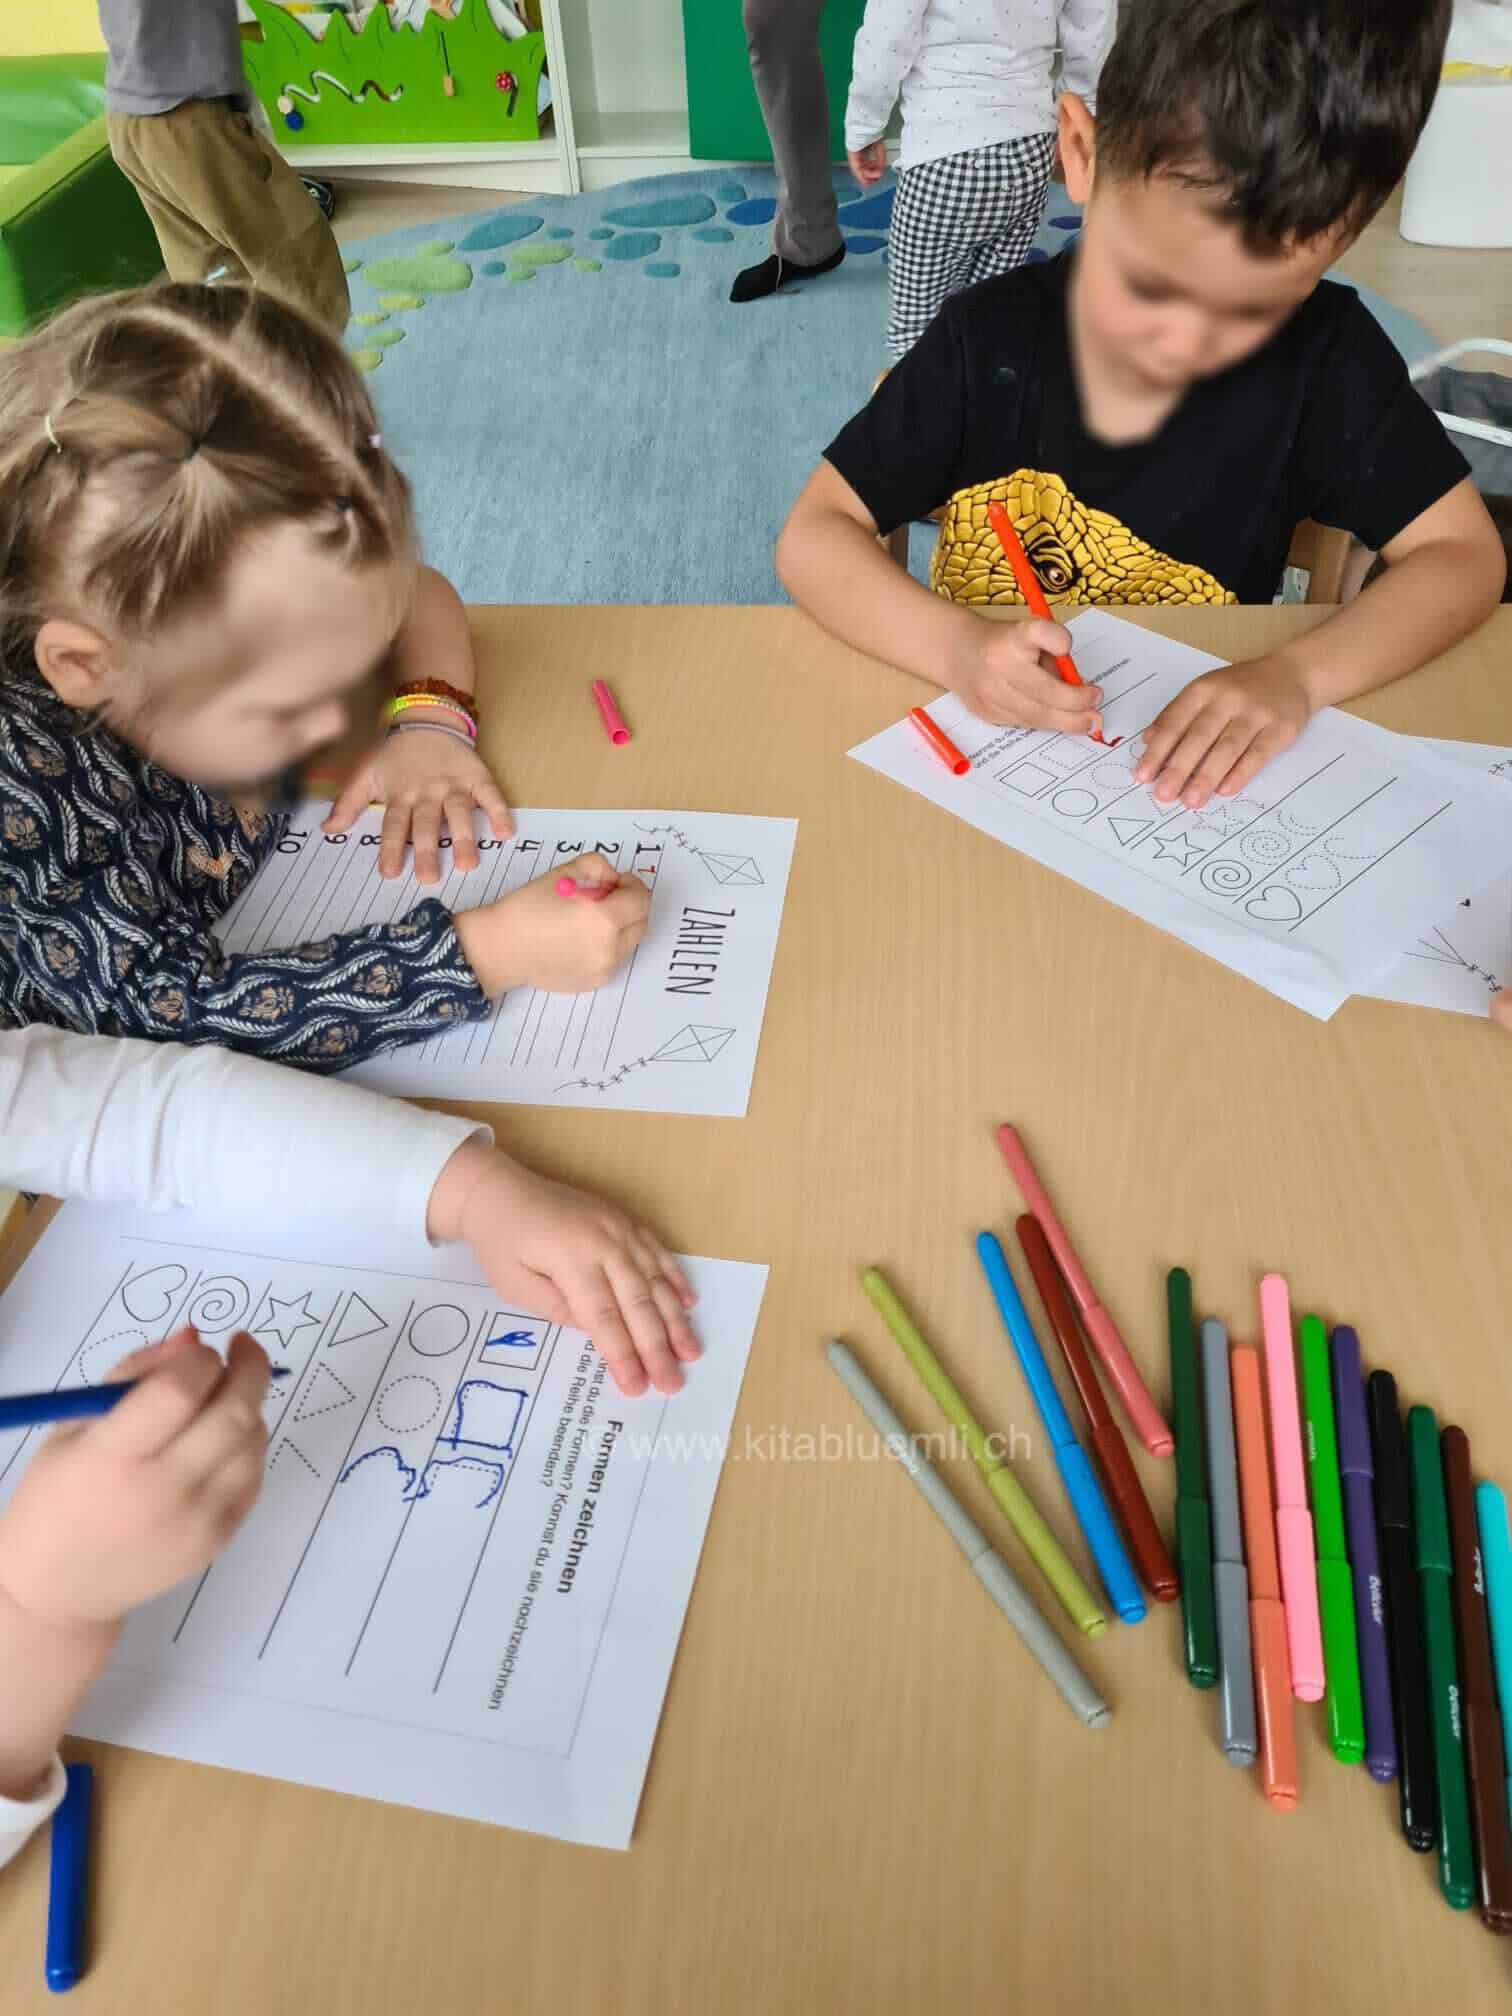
{"x": 585, "y": 416}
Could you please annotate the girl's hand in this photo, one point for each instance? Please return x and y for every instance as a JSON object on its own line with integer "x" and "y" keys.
{"x": 423, "y": 780}
{"x": 571, "y": 1258}
{"x": 869, "y": 163}
{"x": 564, "y": 945}
{"x": 118, "y": 1509}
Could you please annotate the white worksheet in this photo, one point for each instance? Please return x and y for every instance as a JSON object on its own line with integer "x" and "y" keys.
{"x": 1467, "y": 956}
{"x": 463, "y": 1585}
{"x": 1345, "y": 848}
{"x": 677, "y": 1028}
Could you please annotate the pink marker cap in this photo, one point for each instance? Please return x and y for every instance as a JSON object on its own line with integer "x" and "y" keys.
{"x": 609, "y": 714}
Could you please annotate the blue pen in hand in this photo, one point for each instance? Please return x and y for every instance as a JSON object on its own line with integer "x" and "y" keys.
{"x": 75, "y": 1403}
{"x": 68, "y": 1881}
{"x": 1082, "y": 1487}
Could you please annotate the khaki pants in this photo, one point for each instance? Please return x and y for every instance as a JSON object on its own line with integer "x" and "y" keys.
{"x": 219, "y": 195}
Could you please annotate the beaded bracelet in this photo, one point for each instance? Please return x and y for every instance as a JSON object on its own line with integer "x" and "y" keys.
{"x": 401, "y": 703}
{"x": 442, "y": 689}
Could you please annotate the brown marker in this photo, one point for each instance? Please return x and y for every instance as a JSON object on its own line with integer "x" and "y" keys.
{"x": 1479, "y": 1717}
{"x": 1124, "y": 1487}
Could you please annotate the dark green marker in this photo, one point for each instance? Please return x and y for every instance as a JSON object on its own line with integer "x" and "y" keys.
{"x": 1430, "y": 1513}
{"x": 1341, "y": 1657}
{"x": 1194, "y": 1536}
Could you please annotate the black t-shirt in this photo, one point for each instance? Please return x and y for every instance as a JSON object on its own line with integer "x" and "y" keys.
{"x": 1321, "y": 422}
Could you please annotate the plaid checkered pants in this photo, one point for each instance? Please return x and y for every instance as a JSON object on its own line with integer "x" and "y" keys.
{"x": 959, "y": 220}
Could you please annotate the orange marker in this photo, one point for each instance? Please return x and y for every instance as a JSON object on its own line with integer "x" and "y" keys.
{"x": 1034, "y": 595}
{"x": 940, "y": 742}
{"x": 1273, "y": 1699}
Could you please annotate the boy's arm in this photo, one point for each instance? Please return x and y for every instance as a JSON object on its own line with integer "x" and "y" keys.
{"x": 1086, "y": 35}
{"x": 1444, "y": 575}
{"x": 887, "y": 42}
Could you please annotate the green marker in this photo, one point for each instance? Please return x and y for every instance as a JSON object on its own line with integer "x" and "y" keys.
{"x": 1194, "y": 1533}
{"x": 1013, "y": 1500}
{"x": 1430, "y": 1516}
{"x": 1341, "y": 1658}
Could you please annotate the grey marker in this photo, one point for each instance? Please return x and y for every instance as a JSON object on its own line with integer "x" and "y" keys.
{"x": 996, "y": 1577}
{"x": 1236, "y": 1676}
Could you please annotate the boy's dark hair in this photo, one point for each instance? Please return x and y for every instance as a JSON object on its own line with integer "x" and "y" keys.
{"x": 1298, "y": 115}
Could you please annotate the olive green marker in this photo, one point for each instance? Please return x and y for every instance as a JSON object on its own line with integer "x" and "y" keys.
{"x": 1341, "y": 1657}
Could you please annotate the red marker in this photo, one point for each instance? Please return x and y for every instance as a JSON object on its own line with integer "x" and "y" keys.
{"x": 591, "y": 892}
{"x": 940, "y": 742}
{"x": 1034, "y": 595}
{"x": 609, "y": 714}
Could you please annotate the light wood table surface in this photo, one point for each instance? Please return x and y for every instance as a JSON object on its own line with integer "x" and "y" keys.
{"x": 863, "y": 1795}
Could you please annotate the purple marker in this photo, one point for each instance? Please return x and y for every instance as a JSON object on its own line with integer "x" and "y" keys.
{"x": 1357, "y": 1475}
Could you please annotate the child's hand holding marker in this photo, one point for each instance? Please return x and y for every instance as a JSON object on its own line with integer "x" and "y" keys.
{"x": 572, "y": 1258}
{"x": 1002, "y": 671}
{"x": 532, "y": 938}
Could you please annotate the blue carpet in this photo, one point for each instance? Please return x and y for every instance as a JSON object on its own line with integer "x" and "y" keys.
{"x": 584, "y": 415}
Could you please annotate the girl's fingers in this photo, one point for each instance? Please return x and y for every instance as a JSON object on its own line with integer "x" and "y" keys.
{"x": 160, "y": 1407}
{"x": 425, "y": 842}
{"x": 350, "y": 800}
{"x": 392, "y": 840}
{"x": 230, "y": 1426}
{"x": 140, "y": 1363}
{"x": 459, "y": 821}
{"x": 1261, "y": 750}
{"x": 595, "y": 1309}
{"x": 644, "y": 1319}
{"x": 496, "y": 808}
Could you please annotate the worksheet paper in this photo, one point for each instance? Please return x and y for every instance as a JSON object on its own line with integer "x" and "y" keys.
{"x": 677, "y": 1028}
{"x": 463, "y": 1585}
{"x": 1347, "y": 846}
{"x": 1467, "y": 956}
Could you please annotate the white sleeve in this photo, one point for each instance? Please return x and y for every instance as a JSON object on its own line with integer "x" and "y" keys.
{"x": 20, "y": 1818}
{"x": 887, "y": 46}
{"x": 1086, "y": 35}
{"x": 159, "y": 1125}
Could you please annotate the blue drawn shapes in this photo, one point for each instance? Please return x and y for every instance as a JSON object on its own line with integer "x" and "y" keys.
{"x": 864, "y": 245}
{"x": 662, "y": 269}
{"x": 633, "y": 245}
{"x": 665, "y": 214}
{"x": 713, "y": 234}
{"x": 507, "y": 228}
{"x": 754, "y": 210}
{"x": 405, "y": 1470}
{"x": 731, "y": 192}
{"x": 439, "y": 1330}
{"x": 484, "y": 1416}
{"x": 514, "y": 1340}
{"x": 494, "y": 1472}
{"x": 603, "y": 231}
{"x": 871, "y": 213}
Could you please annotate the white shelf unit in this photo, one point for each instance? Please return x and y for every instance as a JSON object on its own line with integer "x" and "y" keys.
{"x": 619, "y": 109}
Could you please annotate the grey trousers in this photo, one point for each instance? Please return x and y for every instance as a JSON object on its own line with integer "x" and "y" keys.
{"x": 783, "y": 38}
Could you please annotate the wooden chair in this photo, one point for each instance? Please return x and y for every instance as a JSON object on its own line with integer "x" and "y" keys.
{"x": 1321, "y": 552}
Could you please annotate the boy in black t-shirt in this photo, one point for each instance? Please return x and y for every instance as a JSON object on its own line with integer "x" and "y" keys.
{"x": 1157, "y": 408}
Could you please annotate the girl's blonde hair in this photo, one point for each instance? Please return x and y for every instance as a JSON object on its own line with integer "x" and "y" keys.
{"x": 144, "y": 435}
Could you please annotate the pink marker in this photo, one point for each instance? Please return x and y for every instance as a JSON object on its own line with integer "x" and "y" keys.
{"x": 1294, "y": 1527}
{"x": 609, "y": 714}
{"x": 1134, "y": 1396}
{"x": 594, "y": 892}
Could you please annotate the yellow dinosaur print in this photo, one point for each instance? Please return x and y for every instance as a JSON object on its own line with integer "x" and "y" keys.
{"x": 1080, "y": 555}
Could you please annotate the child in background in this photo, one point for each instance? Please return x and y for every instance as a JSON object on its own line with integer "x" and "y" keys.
{"x": 978, "y": 133}
{"x": 221, "y": 198}
{"x": 1159, "y": 407}
{"x": 209, "y": 563}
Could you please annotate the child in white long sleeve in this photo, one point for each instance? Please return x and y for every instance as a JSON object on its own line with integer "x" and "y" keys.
{"x": 978, "y": 133}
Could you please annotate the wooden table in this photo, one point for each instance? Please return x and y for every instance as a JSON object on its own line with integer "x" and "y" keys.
{"x": 863, "y": 1795}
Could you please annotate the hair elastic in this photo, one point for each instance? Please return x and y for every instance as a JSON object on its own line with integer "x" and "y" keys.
{"x": 47, "y": 429}
{"x": 375, "y": 440}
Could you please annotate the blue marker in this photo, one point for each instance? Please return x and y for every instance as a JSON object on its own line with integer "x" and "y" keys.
{"x": 1082, "y": 1487}
{"x": 1496, "y": 1562}
{"x": 68, "y": 1882}
{"x": 75, "y": 1403}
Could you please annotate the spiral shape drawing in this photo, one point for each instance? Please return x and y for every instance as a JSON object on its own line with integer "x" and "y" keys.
{"x": 1264, "y": 844}
{"x": 1227, "y": 878}
{"x": 218, "y": 1304}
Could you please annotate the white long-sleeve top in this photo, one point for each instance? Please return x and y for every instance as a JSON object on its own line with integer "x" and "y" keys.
{"x": 116, "y": 1121}
{"x": 971, "y": 72}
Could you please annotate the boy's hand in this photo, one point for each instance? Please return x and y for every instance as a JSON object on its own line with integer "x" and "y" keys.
{"x": 573, "y": 1259}
{"x": 869, "y": 163}
{"x": 1003, "y": 672}
{"x": 118, "y": 1509}
{"x": 1219, "y": 731}
{"x": 563, "y": 945}
{"x": 424, "y": 782}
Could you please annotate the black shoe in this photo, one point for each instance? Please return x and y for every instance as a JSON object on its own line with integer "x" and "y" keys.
{"x": 323, "y": 194}
{"x": 756, "y": 282}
